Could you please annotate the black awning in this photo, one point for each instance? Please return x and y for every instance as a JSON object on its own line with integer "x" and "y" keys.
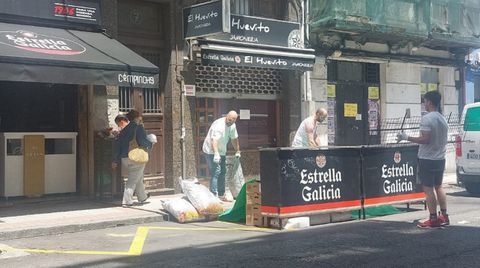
{"x": 51, "y": 55}
{"x": 291, "y": 59}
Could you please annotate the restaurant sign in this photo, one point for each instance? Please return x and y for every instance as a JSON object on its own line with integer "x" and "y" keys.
{"x": 263, "y": 31}
{"x": 244, "y": 58}
{"x": 206, "y": 19}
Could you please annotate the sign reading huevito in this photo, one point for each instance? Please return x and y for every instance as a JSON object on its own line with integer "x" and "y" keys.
{"x": 263, "y": 31}
{"x": 206, "y": 19}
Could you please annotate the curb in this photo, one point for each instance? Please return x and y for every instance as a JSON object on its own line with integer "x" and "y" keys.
{"x": 73, "y": 228}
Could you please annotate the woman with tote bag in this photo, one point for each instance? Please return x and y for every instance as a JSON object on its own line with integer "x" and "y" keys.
{"x": 132, "y": 152}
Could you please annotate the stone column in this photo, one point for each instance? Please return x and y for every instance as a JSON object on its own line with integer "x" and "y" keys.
{"x": 173, "y": 95}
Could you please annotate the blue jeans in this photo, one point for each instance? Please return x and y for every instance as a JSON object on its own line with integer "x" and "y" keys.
{"x": 217, "y": 173}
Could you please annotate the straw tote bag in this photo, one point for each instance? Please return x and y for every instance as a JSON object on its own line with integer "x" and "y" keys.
{"x": 136, "y": 153}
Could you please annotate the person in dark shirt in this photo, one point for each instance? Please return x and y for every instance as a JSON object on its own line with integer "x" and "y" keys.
{"x": 130, "y": 126}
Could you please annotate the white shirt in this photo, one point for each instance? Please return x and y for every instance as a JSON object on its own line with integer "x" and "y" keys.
{"x": 435, "y": 149}
{"x": 301, "y": 136}
{"x": 222, "y": 133}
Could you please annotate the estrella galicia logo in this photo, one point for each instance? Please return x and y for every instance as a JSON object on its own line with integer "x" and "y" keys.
{"x": 321, "y": 160}
{"x": 40, "y": 43}
{"x": 397, "y": 157}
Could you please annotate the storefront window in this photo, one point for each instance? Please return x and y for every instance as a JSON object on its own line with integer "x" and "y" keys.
{"x": 14, "y": 147}
{"x": 151, "y": 101}
{"x": 125, "y": 99}
{"x": 58, "y": 146}
{"x": 259, "y": 8}
{"x": 429, "y": 82}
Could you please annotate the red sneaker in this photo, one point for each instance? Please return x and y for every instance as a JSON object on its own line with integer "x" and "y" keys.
{"x": 430, "y": 224}
{"x": 443, "y": 219}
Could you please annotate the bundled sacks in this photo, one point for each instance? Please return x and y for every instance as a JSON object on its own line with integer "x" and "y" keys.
{"x": 181, "y": 209}
{"x": 201, "y": 198}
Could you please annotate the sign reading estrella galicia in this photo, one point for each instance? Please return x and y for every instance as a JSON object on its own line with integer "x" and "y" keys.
{"x": 256, "y": 60}
{"x": 263, "y": 31}
{"x": 39, "y": 43}
{"x": 206, "y": 19}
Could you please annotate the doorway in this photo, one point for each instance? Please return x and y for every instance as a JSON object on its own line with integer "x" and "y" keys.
{"x": 356, "y": 108}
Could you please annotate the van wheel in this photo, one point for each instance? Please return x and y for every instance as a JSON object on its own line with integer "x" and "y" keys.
{"x": 473, "y": 188}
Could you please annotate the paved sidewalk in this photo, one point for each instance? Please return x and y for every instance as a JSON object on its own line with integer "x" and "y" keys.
{"x": 45, "y": 216}
{"x": 21, "y": 218}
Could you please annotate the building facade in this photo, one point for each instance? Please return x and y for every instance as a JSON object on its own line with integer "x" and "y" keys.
{"x": 376, "y": 59}
{"x": 266, "y": 96}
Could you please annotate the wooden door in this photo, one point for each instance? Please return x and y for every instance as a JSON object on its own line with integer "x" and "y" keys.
{"x": 34, "y": 165}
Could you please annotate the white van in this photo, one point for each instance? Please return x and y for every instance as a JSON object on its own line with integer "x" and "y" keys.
{"x": 468, "y": 149}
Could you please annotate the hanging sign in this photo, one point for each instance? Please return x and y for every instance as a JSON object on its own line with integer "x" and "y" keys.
{"x": 263, "y": 31}
{"x": 189, "y": 90}
{"x": 245, "y": 58}
{"x": 206, "y": 19}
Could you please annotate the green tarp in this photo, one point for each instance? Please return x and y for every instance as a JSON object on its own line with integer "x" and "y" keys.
{"x": 238, "y": 211}
{"x": 377, "y": 211}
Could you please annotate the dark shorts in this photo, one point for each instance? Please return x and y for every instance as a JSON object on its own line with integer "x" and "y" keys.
{"x": 430, "y": 172}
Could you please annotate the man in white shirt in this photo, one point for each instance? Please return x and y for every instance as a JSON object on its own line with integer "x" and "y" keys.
{"x": 305, "y": 136}
{"x": 431, "y": 159}
{"x": 215, "y": 148}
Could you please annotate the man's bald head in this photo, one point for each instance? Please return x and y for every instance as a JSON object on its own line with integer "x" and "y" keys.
{"x": 231, "y": 118}
{"x": 320, "y": 114}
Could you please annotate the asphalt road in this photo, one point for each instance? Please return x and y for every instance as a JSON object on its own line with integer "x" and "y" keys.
{"x": 390, "y": 241}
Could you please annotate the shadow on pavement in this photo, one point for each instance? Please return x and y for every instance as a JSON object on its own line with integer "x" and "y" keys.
{"x": 49, "y": 204}
{"x": 372, "y": 243}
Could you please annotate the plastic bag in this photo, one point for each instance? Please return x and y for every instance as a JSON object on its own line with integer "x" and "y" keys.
{"x": 181, "y": 209}
{"x": 234, "y": 177}
{"x": 201, "y": 198}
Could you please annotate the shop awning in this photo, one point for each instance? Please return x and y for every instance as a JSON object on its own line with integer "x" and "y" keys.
{"x": 290, "y": 59}
{"x": 51, "y": 55}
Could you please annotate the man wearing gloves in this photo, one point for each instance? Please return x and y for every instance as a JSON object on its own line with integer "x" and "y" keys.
{"x": 431, "y": 159}
{"x": 215, "y": 148}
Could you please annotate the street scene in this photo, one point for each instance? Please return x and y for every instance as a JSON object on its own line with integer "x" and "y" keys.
{"x": 388, "y": 241}
{"x": 239, "y": 133}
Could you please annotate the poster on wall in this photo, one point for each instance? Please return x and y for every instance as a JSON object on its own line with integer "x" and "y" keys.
{"x": 423, "y": 88}
{"x": 331, "y": 104}
{"x": 331, "y": 91}
{"x": 350, "y": 109}
{"x": 373, "y": 112}
{"x": 432, "y": 87}
{"x": 373, "y": 93}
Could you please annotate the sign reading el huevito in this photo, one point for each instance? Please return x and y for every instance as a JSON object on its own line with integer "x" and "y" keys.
{"x": 206, "y": 19}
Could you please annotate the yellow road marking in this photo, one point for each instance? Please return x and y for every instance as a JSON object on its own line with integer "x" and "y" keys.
{"x": 77, "y": 252}
{"x": 136, "y": 247}
{"x": 138, "y": 241}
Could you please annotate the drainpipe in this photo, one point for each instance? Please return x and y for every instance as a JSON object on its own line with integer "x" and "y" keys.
{"x": 182, "y": 125}
{"x": 305, "y": 82}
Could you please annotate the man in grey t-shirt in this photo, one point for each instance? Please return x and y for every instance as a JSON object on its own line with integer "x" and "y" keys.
{"x": 431, "y": 159}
